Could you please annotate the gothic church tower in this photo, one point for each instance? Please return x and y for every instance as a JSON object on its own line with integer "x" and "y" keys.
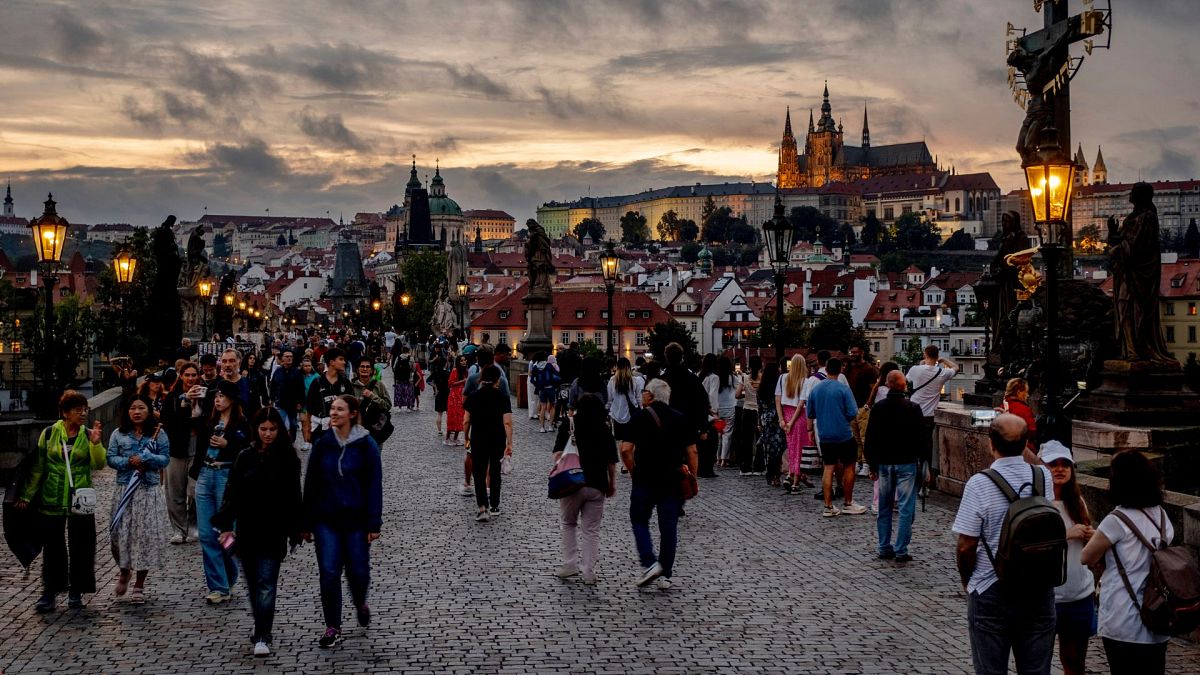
{"x": 789, "y": 167}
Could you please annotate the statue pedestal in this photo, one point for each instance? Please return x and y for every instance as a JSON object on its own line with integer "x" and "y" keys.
{"x": 541, "y": 314}
{"x": 1139, "y": 394}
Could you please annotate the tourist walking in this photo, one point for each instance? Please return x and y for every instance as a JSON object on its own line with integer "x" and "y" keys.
{"x": 439, "y": 380}
{"x": 67, "y": 454}
{"x": 926, "y": 379}
{"x": 488, "y": 428}
{"x": 454, "y": 403}
{"x": 663, "y": 441}
{"x": 584, "y": 509}
{"x": 227, "y": 433}
{"x": 1075, "y": 600}
{"x": 404, "y": 393}
{"x": 372, "y": 396}
{"x": 831, "y": 407}
{"x": 1003, "y": 617}
{"x": 728, "y": 388}
{"x": 260, "y": 516}
{"x": 689, "y": 398}
{"x": 793, "y": 419}
{"x": 892, "y": 444}
{"x": 1016, "y": 401}
{"x": 343, "y": 512}
{"x": 745, "y": 438}
{"x": 331, "y": 384}
{"x": 772, "y": 441}
{"x": 184, "y": 415}
{"x": 1128, "y": 535}
{"x": 624, "y": 391}
{"x": 287, "y": 391}
{"x": 139, "y": 450}
{"x": 152, "y": 389}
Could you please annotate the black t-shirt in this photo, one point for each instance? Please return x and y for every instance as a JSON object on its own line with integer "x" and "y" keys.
{"x": 487, "y": 407}
{"x": 659, "y": 451}
{"x": 322, "y": 393}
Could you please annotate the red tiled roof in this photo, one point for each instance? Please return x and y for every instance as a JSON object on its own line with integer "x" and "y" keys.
{"x": 1159, "y": 186}
{"x": 1180, "y": 279}
{"x": 952, "y": 281}
{"x": 567, "y": 304}
{"x": 970, "y": 181}
{"x": 887, "y": 304}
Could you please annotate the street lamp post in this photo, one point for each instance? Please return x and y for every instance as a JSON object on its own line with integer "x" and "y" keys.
{"x": 205, "y": 289}
{"x": 463, "y": 289}
{"x": 1050, "y": 180}
{"x": 49, "y": 232}
{"x": 779, "y": 235}
{"x": 610, "y": 265}
{"x": 124, "y": 265}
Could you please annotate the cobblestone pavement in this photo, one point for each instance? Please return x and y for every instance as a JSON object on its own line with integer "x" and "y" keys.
{"x": 763, "y": 584}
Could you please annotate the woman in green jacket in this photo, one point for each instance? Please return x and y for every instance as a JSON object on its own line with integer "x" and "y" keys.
{"x": 69, "y": 546}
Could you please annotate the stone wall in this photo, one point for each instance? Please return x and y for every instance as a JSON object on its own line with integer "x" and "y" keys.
{"x": 19, "y": 437}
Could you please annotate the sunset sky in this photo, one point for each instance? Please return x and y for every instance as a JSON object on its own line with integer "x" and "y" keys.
{"x": 131, "y": 110}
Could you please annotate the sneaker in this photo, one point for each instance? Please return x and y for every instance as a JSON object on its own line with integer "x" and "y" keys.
{"x": 904, "y": 558}
{"x": 747, "y": 473}
{"x": 45, "y": 604}
{"x": 830, "y": 511}
{"x": 177, "y": 539}
{"x": 650, "y": 574}
{"x": 494, "y": 512}
{"x": 854, "y": 509}
{"x": 566, "y": 572}
{"x": 466, "y": 491}
{"x": 662, "y": 583}
{"x": 75, "y": 601}
{"x": 261, "y": 649}
{"x": 216, "y": 598}
{"x": 863, "y": 470}
{"x": 193, "y": 535}
{"x": 481, "y": 517}
{"x": 887, "y": 555}
{"x": 364, "y": 615}
{"x": 589, "y": 579}
{"x": 331, "y": 637}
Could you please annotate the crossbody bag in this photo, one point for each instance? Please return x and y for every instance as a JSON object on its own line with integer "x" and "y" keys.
{"x": 83, "y": 500}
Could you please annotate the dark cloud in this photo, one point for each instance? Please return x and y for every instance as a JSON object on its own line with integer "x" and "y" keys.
{"x": 469, "y": 79}
{"x": 212, "y": 77}
{"x": 38, "y": 64}
{"x": 181, "y": 109}
{"x": 328, "y": 129}
{"x": 564, "y": 104}
{"x": 151, "y": 120}
{"x": 707, "y": 57}
{"x": 340, "y": 67}
{"x": 1173, "y": 164}
{"x": 75, "y": 40}
{"x": 251, "y": 159}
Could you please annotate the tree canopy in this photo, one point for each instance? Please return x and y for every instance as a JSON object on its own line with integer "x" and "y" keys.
{"x": 872, "y": 231}
{"x": 912, "y": 234}
{"x": 664, "y": 333}
{"x": 835, "y": 330}
{"x": 959, "y": 241}
{"x": 633, "y": 228}
{"x": 590, "y": 226}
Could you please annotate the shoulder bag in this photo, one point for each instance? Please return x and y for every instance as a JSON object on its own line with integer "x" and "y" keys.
{"x": 83, "y": 500}
{"x": 566, "y": 476}
{"x": 1171, "y": 598}
{"x": 688, "y": 485}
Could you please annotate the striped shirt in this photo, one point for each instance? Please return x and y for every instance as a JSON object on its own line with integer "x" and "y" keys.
{"x": 981, "y": 513}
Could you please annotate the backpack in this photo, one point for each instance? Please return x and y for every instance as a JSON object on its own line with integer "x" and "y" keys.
{"x": 1033, "y": 537}
{"x": 403, "y": 371}
{"x": 546, "y": 377}
{"x": 1171, "y": 599}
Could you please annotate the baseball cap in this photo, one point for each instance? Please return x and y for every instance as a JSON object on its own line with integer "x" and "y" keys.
{"x": 1052, "y": 450}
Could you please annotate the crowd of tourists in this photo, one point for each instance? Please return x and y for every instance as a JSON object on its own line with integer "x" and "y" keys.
{"x": 250, "y": 457}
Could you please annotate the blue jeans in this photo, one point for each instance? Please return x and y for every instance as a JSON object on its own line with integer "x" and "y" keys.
{"x": 339, "y": 550}
{"x": 220, "y": 570}
{"x": 1019, "y": 620}
{"x": 262, "y": 579}
{"x": 897, "y": 484}
{"x": 642, "y": 502}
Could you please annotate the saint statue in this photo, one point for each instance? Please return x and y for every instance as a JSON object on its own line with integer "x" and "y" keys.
{"x": 444, "y": 321}
{"x": 1039, "y": 68}
{"x": 456, "y": 265}
{"x": 1136, "y": 272}
{"x": 539, "y": 259}
{"x": 1012, "y": 240}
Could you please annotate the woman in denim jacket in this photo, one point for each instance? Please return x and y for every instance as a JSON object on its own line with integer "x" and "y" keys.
{"x": 138, "y": 450}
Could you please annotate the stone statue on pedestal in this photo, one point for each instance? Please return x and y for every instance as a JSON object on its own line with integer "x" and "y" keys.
{"x": 444, "y": 322}
{"x": 539, "y": 259}
{"x": 1137, "y": 272}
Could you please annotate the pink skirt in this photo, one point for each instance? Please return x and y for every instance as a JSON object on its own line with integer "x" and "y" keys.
{"x": 797, "y": 438}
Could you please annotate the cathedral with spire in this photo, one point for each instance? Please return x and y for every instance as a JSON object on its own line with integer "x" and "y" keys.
{"x": 828, "y": 159}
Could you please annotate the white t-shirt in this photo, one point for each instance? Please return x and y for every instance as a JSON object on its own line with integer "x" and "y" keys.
{"x": 812, "y": 381}
{"x": 1080, "y": 583}
{"x": 928, "y": 395}
{"x": 1119, "y": 618}
{"x": 389, "y": 339}
{"x": 781, "y": 391}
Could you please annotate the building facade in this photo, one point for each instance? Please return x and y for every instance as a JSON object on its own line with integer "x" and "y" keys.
{"x": 491, "y": 224}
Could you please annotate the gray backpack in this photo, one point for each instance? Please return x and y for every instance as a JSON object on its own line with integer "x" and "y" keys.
{"x": 1033, "y": 537}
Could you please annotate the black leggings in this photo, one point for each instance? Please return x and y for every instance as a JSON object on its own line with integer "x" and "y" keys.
{"x": 1134, "y": 658}
{"x": 68, "y": 554}
{"x": 485, "y": 461}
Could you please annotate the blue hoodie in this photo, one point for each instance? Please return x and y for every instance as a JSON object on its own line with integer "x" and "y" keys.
{"x": 344, "y": 484}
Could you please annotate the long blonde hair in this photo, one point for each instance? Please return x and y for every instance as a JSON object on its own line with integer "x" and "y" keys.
{"x": 797, "y": 373}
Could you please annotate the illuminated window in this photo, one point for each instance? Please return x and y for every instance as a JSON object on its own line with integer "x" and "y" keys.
{"x": 1191, "y": 309}
{"x": 641, "y": 339}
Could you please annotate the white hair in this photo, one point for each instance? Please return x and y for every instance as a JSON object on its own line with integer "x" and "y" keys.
{"x": 659, "y": 389}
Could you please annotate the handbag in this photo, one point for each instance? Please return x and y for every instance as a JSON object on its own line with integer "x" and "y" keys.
{"x": 566, "y": 476}
{"x": 506, "y": 464}
{"x": 83, "y": 500}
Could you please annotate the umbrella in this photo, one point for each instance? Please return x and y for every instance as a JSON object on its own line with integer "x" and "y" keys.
{"x": 126, "y": 497}
{"x": 21, "y": 527}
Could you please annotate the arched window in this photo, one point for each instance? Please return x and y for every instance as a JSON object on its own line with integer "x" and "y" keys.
{"x": 957, "y": 203}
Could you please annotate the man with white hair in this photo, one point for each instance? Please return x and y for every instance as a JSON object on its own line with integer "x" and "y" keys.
{"x": 894, "y": 440}
{"x": 663, "y": 442}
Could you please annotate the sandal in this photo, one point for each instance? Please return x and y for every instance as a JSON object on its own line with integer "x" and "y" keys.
{"x": 122, "y": 586}
{"x": 137, "y": 596}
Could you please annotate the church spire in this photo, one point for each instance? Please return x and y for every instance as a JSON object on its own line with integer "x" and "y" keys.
{"x": 810, "y": 120}
{"x": 787, "y": 123}
{"x": 788, "y": 174}
{"x": 413, "y": 180}
{"x": 1099, "y": 171}
{"x": 866, "y": 143}
{"x": 826, "y": 123}
{"x": 8, "y": 201}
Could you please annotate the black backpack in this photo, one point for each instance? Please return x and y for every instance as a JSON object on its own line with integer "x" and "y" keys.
{"x": 1033, "y": 536}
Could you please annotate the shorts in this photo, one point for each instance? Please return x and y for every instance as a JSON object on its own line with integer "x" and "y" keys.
{"x": 1077, "y": 618}
{"x": 842, "y": 452}
{"x": 546, "y": 395}
{"x": 623, "y": 432}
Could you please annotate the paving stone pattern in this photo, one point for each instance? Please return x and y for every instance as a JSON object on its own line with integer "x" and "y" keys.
{"x": 763, "y": 584}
